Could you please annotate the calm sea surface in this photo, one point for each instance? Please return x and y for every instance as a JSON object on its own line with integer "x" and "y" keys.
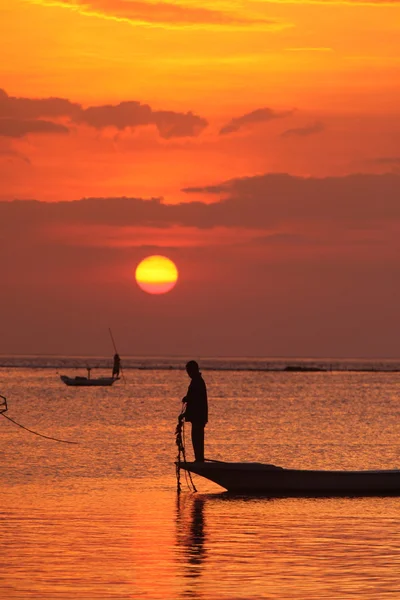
{"x": 101, "y": 519}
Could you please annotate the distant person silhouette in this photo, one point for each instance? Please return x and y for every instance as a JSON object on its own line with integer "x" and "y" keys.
{"x": 116, "y": 365}
{"x": 196, "y": 410}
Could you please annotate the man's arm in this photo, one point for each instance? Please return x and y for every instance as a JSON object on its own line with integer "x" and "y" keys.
{"x": 183, "y": 411}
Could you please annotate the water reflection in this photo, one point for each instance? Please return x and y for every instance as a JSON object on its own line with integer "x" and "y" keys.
{"x": 98, "y": 521}
{"x": 191, "y": 541}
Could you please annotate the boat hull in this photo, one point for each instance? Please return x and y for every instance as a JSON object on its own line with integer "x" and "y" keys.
{"x": 85, "y": 382}
{"x": 269, "y": 480}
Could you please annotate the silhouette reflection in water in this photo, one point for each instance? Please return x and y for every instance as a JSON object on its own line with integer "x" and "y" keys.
{"x": 191, "y": 540}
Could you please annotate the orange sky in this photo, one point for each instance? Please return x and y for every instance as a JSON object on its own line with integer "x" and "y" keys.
{"x": 190, "y": 101}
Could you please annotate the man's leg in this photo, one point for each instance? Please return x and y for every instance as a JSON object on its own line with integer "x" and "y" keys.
{"x": 198, "y": 441}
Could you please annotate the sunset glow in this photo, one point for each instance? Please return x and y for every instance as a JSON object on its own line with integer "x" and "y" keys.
{"x": 156, "y": 274}
{"x": 256, "y": 142}
{"x": 200, "y": 224}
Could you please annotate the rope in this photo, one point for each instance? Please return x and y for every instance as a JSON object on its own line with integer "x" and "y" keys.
{"x": 3, "y": 405}
{"x": 3, "y": 408}
{"x": 188, "y": 477}
{"x": 179, "y": 437}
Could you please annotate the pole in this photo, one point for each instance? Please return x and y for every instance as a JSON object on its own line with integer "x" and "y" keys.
{"x": 112, "y": 339}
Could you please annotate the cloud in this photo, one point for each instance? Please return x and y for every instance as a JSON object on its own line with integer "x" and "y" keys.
{"x": 269, "y": 203}
{"x": 20, "y": 116}
{"x": 304, "y": 131}
{"x": 310, "y": 49}
{"x": 17, "y": 128}
{"x": 271, "y": 200}
{"x": 34, "y": 108}
{"x": 166, "y": 14}
{"x": 134, "y": 114}
{"x": 172, "y": 124}
{"x": 359, "y": 3}
{"x": 260, "y": 115}
{"x": 308, "y": 265}
{"x": 384, "y": 163}
{"x": 9, "y": 154}
{"x": 386, "y": 160}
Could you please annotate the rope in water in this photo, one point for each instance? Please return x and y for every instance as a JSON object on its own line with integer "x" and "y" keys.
{"x": 179, "y": 437}
{"x": 4, "y": 408}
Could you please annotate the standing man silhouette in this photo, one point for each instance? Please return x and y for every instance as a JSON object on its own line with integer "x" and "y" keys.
{"x": 196, "y": 410}
{"x": 116, "y": 366}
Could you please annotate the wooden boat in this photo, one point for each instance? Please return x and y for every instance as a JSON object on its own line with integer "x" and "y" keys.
{"x": 273, "y": 481}
{"x": 88, "y": 381}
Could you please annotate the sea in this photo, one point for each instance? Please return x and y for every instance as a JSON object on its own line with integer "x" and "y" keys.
{"x": 100, "y": 518}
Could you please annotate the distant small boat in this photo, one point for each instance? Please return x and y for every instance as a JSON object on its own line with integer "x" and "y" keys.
{"x": 273, "y": 481}
{"x": 87, "y": 381}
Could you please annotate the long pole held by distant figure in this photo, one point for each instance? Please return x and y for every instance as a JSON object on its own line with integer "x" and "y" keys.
{"x": 116, "y": 352}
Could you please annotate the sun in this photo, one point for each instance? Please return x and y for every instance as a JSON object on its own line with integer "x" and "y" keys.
{"x": 156, "y": 274}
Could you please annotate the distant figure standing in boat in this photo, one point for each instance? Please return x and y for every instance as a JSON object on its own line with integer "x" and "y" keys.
{"x": 116, "y": 366}
{"x": 196, "y": 410}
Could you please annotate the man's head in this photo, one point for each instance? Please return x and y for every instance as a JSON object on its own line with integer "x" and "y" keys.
{"x": 192, "y": 368}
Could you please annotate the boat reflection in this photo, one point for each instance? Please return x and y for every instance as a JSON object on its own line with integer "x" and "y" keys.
{"x": 191, "y": 538}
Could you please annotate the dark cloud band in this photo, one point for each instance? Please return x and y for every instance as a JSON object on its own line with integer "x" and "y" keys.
{"x": 21, "y": 116}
